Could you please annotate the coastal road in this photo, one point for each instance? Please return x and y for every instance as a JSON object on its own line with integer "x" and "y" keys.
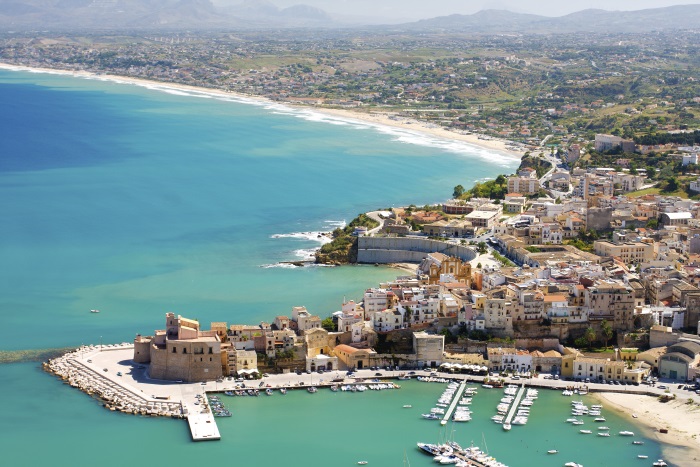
{"x": 376, "y": 215}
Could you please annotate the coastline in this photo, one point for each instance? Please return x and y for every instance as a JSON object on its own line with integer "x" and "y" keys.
{"x": 376, "y": 118}
{"x": 682, "y": 442}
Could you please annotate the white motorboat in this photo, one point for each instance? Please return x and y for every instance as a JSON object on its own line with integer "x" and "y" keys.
{"x": 660, "y": 463}
{"x": 506, "y": 427}
{"x": 627, "y": 433}
{"x": 407, "y": 406}
{"x": 604, "y": 433}
{"x": 638, "y": 442}
{"x": 643, "y": 456}
{"x": 599, "y": 419}
{"x": 552, "y": 451}
{"x": 603, "y": 428}
{"x": 586, "y": 432}
{"x": 94, "y": 311}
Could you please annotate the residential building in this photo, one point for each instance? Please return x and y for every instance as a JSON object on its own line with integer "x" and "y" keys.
{"x": 628, "y": 252}
{"x": 524, "y": 185}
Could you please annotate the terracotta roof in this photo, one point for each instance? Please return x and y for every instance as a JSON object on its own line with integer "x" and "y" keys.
{"x": 554, "y": 298}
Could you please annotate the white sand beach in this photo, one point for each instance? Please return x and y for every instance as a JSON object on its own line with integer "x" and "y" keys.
{"x": 682, "y": 420}
{"x": 374, "y": 117}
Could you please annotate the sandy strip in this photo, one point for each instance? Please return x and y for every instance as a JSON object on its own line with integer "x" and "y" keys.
{"x": 374, "y": 118}
{"x": 681, "y": 445}
{"x": 408, "y": 124}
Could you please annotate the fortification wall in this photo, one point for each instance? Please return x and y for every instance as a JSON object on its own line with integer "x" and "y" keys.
{"x": 406, "y": 250}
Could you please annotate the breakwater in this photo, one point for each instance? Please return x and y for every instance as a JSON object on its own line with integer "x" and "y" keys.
{"x": 75, "y": 369}
{"x": 384, "y": 250}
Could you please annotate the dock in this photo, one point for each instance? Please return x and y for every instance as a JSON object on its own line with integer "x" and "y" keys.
{"x": 203, "y": 426}
{"x": 516, "y": 403}
{"x": 458, "y": 395}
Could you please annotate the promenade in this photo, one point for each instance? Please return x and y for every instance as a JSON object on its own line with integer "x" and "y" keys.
{"x": 109, "y": 374}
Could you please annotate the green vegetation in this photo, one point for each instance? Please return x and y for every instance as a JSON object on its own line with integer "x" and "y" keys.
{"x": 494, "y": 189}
{"x": 502, "y": 259}
{"x": 533, "y": 249}
{"x": 329, "y": 325}
{"x": 541, "y": 165}
{"x": 343, "y": 248}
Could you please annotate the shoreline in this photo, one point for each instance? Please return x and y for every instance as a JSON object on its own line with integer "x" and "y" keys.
{"x": 681, "y": 443}
{"x": 375, "y": 118}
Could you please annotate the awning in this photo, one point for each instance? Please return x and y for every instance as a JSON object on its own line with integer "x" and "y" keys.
{"x": 247, "y": 372}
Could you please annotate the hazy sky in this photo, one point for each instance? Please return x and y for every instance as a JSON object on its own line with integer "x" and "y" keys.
{"x": 419, "y": 9}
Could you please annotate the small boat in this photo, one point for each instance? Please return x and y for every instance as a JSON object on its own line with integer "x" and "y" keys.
{"x": 283, "y": 391}
{"x": 552, "y": 451}
{"x": 361, "y": 462}
{"x": 430, "y": 416}
{"x": 634, "y": 415}
{"x": 604, "y": 433}
{"x": 603, "y": 428}
{"x": 572, "y": 464}
{"x": 660, "y": 463}
{"x": 642, "y": 456}
{"x": 638, "y": 442}
{"x": 334, "y": 388}
{"x": 268, "y": 391}
{"x": 627, "y": 433}
{"x": 94, "y": 311}
{"x": 407, "y": 406}
{"x": 577, "y": 422}
{"x": 586, "y": 432}
{"x": 312, "y": 389}
{"x": 599, "y": 419}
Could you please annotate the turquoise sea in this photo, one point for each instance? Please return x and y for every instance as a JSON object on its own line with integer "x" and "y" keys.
{"x": 139, "y": 201}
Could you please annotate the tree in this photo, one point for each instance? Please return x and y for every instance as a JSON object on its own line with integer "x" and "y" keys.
{"x": 458, "y": 191}
{"x": 481, "y": 248}
{"x": 653, "y": 223}
{"x": 589, "y": 335}
{"x": 607, "y": 331}
{"x": 671, "y": 184}
{"x": 651, "y": 172}
{"x": 329, "y": 325}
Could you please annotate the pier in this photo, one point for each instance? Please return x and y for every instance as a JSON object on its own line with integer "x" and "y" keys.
{"x": 514, "y": 407}
{"x": 203, "y": 425}
{"x": 458, "y": 395}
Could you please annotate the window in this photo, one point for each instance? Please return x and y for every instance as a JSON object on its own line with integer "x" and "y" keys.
{"x": 174, "y": 350}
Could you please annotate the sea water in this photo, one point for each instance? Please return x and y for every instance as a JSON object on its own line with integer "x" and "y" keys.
{"x": 139, "y": 201}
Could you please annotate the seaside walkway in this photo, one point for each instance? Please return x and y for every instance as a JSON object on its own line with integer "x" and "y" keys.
{"x": 458, "y": 395}
{"x": 514, "y": 407}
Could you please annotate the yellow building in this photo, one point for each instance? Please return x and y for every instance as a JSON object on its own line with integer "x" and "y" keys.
{"x": 628, "y": 252}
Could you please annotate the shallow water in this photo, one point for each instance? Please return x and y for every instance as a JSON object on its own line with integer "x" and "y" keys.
{"x": 138, "y": 202}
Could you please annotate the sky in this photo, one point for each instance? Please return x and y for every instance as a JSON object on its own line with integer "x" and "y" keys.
{"x": 421, "y": 9}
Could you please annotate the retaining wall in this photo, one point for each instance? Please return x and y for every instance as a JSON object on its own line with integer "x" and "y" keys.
{"x": 384, "y": 250}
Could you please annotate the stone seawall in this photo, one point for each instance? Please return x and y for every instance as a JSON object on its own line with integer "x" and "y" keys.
{"x": 383, "y": 250}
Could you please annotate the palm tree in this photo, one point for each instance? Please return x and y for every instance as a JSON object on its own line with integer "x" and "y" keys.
{"x": 607, "y": 331}
{"x": 589, "y": 335}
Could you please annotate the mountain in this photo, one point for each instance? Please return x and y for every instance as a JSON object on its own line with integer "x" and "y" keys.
{"x": 592, "y": 20}
{"x": 203, "y": 14}
{"x": 150, "y": 14}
